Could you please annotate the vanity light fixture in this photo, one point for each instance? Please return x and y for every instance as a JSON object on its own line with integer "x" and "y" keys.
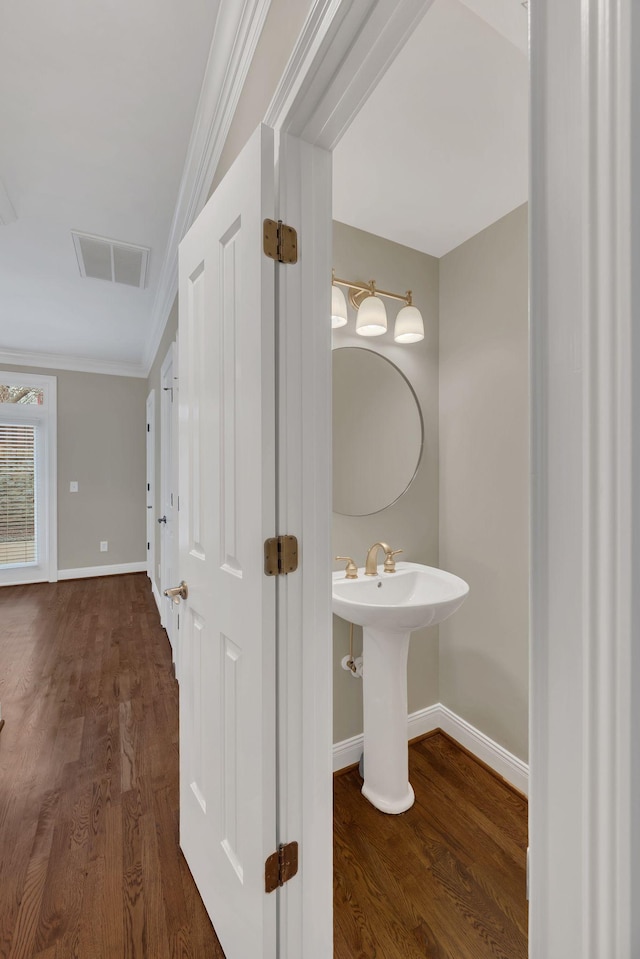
{"x": 371, "y": 317}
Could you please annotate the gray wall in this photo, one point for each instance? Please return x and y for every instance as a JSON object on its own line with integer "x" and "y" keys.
{"x": 412, "y": 522}
{"x": 484, "y": 478}
{"x": 101, "y": 444}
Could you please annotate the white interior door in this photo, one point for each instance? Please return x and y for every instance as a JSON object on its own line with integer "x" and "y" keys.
{"x": 227, "y": 509}
{"x": 169, "y": 494}
{"x": 151, "y": 483}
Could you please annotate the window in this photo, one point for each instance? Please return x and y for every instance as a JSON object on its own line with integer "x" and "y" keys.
{"x": 25, "y": 395}
{"x": 18, "y": 503}
{"x": 28, "y": 509}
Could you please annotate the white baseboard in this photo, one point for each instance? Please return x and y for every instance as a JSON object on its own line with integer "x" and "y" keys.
{"x": 347, "y": 752}
{"x": 84, "y": 572}
{"x": 423, "y": 721}
{"x": 514, "y": 770}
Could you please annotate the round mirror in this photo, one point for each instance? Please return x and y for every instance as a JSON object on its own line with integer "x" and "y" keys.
{"x": 377, "y": 432}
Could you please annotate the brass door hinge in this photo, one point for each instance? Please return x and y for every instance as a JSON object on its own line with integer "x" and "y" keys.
{"x": 280, "y": 241}
{"x": 280, "y": 555}
{"x": 281, "y": 866}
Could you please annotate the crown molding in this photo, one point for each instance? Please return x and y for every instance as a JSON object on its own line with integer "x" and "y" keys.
{"x": 76, "y": 364}
{"x": 235, "y": 38}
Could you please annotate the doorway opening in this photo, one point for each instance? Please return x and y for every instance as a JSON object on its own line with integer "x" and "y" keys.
{"x": 438, "y": 208}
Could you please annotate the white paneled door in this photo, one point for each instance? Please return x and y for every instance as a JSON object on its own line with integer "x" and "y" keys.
{"x": 168, "y": 518}
{"x": 227, "y": 510}
{"x": 151, "y": 483}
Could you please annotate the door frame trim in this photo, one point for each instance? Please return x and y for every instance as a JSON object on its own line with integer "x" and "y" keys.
{"x": 304, "y": 620}
{"x": 343, "y": 51}
{"x": 585, "y": 528}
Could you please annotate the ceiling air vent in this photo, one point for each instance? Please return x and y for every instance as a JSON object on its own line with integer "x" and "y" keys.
{"x": 103, "y": 259}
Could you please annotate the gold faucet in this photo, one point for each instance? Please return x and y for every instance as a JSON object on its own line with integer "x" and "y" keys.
{"x": 370, "y": 567}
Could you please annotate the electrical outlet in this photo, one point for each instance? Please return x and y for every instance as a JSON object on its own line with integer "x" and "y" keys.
{"x": 104, "y": 546}
{"x": 73, "y": 486}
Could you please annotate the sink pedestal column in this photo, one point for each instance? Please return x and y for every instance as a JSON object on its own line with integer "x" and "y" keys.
{"x": 386, "y": 753}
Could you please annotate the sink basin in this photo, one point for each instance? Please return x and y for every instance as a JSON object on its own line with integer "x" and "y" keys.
{"x": 412, "y": 597}
{"x": 389, "y": 606}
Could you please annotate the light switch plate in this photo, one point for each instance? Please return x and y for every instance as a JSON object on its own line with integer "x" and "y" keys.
{"x": 104, "y": 546}
{"x": 73, "y": 486}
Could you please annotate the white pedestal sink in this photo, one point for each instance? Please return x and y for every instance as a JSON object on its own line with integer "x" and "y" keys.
{"x": 388, "y": 607}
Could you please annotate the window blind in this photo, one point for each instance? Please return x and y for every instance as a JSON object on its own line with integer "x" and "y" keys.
{"x": 17, "y": 495}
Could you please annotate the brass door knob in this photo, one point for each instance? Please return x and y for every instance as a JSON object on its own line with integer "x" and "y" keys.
{"x": 176, "y": 593}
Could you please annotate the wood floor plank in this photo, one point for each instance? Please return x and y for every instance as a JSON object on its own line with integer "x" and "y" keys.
{"x": 90, "y": 865}
{"x": 446, "y": 879}
{"x": 111, "y": 862}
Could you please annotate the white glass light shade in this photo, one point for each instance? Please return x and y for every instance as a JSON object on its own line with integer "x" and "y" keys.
{"x": 338, "y": 308}
{"x": 409, "y": 327}
{"x": 372, "y": 317}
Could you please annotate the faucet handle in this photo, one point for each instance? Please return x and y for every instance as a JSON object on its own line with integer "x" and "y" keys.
{"x": 351, "y": 572}
{"x": 389, "y": 561}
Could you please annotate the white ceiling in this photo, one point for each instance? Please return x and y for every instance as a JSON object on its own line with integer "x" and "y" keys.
{"x": 97, "y": 102}
{"x": 440, "y": 149}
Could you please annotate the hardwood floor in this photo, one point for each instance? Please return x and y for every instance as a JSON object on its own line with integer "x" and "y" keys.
{"x": 446, "y": 879}
{"x": 89, "y": 859}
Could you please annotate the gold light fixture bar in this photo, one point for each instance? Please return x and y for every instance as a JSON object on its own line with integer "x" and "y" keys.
{"x": 358, "y": 291}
